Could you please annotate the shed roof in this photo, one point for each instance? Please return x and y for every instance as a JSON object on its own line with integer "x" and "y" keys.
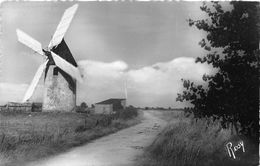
{"x": 111, "y": 101}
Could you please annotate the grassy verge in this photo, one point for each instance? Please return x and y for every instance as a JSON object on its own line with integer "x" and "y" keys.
{"x": 188, "y": 142}
{"x": 27, "y": 137}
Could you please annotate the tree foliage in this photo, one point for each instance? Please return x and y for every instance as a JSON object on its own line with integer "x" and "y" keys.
{"x": 83, "y": 105}
{"x": 232, "y": 43}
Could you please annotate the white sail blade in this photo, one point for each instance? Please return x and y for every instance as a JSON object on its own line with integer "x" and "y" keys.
{"x": 29, "y": 41}
{"x": 67, "y": 67}
{"x": 63, "y": 26}
{"x": 35, "y": 81}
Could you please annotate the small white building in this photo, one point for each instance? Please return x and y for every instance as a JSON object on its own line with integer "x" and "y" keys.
{"x": 110, "y": 106}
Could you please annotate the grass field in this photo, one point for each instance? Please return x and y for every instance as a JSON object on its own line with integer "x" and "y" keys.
{"x": 29, "y": 136}
{"x": 187, "y": 142}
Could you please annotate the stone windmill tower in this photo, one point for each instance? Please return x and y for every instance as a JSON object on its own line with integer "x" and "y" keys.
{"x": 59, "y": 68}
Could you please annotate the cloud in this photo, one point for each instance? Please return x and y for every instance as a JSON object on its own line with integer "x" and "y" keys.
{"x": 101, "y": 74}
{"x": 97, "y": 68}
{"x": 164, "y": 77}
{"x": 154, "y": 85}
{"x": 159, "y": 83}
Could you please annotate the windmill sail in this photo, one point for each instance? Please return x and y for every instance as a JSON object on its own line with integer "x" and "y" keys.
{"x": 67, "y": 67}
{"x": 63, "y": 26}
{"x": 29, "y": 41}
{"x": 34, "y": 82}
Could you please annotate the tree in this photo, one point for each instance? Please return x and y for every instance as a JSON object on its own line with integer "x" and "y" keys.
{"x": 131, "y": 106}
{"x": 232, "y": 42}
{"x": 83, "y": 105}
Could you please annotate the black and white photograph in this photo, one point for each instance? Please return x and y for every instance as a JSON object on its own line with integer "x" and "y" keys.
{"x": 129, "y": 83}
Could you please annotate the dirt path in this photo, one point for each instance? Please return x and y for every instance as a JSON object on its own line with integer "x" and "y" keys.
{"x": 118, "y": 149}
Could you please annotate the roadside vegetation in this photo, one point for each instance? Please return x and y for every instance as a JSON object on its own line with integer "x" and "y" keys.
{"x": 225, "y": 107}
{"x": 27, "y": 137}
{"x": 187, "y": 141}
{"x": 231, "y": 94}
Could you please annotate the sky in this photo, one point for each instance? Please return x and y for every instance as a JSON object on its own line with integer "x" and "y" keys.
{"x": 149, "y": 45}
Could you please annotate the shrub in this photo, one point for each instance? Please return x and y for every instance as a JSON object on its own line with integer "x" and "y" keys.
{"x": 80, "y": 109}
{"x": 127, "y": 113}
{"x": 104, "y": 120}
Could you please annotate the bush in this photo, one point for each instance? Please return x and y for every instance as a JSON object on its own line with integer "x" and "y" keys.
{"x": 104, "y": 120}
{"x": 127, "y": 113}
{"x": 83, "y": 105}
{"x": 82, "y": 110}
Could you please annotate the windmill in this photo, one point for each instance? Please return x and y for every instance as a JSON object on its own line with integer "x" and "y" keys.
{"x": 59, "y": 68}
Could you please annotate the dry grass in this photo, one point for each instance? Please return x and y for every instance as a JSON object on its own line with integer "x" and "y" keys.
{"x": 170, "y": 115}
{"x": 188, "y": 142}
{"x": 29, "y": 136}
